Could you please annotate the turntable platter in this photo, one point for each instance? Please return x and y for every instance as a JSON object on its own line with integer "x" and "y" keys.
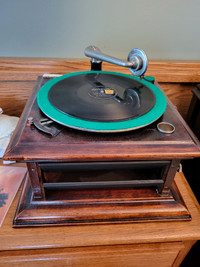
{"x": 101, "y": 101}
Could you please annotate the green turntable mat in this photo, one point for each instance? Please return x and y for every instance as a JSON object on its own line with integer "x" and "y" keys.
{"x": 101, "y": 126}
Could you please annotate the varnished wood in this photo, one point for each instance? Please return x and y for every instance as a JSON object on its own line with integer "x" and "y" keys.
{"x": 180, "y": 94}
{"x": 99, "y": 206}
{"x": 29, "y": 144}
{"x": 18, "y": 75}
{"x": 164, "y": 71}
{"x": 176, "y": 84}
{"x": 169, "y": 174}
{"x": 13, "y": 95}
{"x": 143, "y": 145}
{"x": 108, "y": 256}
{"x": 35, "y": 180}
{"x": 183, "y": 253}
{"x": 144, "y": 244}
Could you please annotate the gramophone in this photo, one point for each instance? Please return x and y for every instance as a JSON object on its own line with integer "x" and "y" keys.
{"x": 100, "y": 147}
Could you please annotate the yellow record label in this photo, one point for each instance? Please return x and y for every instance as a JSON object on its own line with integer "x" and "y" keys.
{"x": 109, "y": 92}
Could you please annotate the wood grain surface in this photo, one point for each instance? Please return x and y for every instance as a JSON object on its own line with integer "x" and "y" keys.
{"x": 163, "y": 71}
{"x": 133, "y": 233}
{"x": 18, "y": 76}
{"x": 163, "y": 243}
{"x": 107, "y": 256}
{"x": 72, "y": 145}
{"x": 144, "y": 244}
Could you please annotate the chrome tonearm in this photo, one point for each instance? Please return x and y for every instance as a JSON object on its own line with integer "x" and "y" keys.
{"x": 137, "y": 59}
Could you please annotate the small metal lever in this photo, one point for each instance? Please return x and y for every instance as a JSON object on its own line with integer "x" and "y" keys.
{"x": 42, "y": 124}
{"x": 137, "y": 59}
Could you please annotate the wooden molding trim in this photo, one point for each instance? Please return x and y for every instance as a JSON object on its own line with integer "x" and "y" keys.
{"x": 26, "y": 69}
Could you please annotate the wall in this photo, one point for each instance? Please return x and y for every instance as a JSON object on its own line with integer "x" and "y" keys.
{"x": 63, "y": 28}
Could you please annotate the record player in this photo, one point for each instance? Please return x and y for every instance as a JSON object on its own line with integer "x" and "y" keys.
{"x": 100, "y": 147}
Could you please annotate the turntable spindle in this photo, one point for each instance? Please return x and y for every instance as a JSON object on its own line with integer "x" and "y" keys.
{"x": 137, "y": 59}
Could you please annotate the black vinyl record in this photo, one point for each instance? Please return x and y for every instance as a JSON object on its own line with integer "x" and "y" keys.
{"x": 101, "y": 97}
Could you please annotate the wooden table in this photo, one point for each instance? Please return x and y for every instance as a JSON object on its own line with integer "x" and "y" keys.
{"x": 132, "y": 244}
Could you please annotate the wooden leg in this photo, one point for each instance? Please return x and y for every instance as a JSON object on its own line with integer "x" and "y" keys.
{"x": 168, "y": 177}
{"x": 36, "y": 180}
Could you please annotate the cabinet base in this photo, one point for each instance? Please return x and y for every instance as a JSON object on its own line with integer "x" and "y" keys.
{"x": 98, "y": 206}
